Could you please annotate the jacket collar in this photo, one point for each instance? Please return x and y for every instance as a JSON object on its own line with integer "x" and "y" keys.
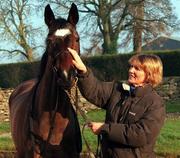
{"x": 137, "y": 91}
{"x": 143, "y": 90}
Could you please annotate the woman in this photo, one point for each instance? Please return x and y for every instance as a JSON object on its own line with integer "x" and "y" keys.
{"x": 134, "y": 112}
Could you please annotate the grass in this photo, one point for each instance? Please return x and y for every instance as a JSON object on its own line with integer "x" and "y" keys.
{"x": 6, "y": 143}
{"x": 168, "y": 141}
{"x": 4, "y": 127}
{"x": 95, "y": 115}
{"x": 173, "y": 106}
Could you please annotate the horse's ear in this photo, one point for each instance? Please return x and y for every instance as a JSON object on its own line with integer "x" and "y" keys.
{"x": 73, "y": 17}
{"x": 48, "y": 15}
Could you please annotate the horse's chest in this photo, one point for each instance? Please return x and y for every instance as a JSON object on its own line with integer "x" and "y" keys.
{"x": 59, "y": 125}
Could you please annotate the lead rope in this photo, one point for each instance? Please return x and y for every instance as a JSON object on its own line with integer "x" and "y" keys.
{"x": 74, "y": 102}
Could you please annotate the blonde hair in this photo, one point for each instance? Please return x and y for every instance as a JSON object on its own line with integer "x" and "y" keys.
{"x": 152, "y": 66}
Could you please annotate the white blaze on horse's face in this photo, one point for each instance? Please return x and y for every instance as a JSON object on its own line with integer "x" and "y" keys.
{"x": 62, "y": 32}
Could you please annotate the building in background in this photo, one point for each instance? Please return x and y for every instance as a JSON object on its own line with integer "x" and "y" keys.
{"x": 162, "y": 43}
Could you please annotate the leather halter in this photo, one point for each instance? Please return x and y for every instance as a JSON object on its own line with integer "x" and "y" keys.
{"x": 55, "y": 70}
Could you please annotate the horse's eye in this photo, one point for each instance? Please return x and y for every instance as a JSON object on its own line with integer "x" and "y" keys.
{"x": 49, "y": 40}
{"x": 77, "y": 39}
{"x": 67, "y": 39}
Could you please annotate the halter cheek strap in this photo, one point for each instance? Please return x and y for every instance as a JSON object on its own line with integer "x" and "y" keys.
{"x": 38, "y": 140}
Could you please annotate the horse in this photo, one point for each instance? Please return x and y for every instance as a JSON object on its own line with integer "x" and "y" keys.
{"x": 43, "y": 121}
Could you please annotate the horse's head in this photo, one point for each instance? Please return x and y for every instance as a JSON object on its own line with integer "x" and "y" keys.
{"x": 62, "y": 35}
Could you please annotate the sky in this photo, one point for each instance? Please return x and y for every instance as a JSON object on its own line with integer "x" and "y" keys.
{"x": 176, "y": 5}
{"x": 175, "y": 35}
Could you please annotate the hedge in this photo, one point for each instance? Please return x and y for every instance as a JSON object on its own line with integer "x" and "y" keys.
{"x": 13, "y": 74}
{"x": 106, "y": 68}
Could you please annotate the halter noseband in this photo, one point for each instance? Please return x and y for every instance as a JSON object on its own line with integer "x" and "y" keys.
{"x": 56, "y": 70}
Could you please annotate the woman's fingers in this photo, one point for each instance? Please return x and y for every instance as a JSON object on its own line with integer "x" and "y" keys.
{"x": 74, "y": 54}
{"x": 77, "y": 61}
{"x": 96, "y": 127}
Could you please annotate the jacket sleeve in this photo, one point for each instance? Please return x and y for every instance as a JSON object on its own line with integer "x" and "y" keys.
{"x": 142, "y": 132}
{"x": 95, "y": 91}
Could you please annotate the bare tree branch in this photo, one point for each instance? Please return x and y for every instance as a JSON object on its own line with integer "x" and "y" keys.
{"x": 16, "y": 29}
{"x": 113, "y": 17}
{"x": 13, "y": 51}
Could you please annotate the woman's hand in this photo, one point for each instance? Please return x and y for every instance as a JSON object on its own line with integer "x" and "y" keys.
{"x": 95, "y": 127}
{"x": 77, "y": 61}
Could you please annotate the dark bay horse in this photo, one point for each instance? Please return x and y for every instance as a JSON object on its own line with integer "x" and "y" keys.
{"x": 43, "y": 121}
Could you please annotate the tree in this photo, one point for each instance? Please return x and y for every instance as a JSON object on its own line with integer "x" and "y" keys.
{"x": 16, "y": 28}
{"x": 138, "y": 12}
{"x": 142, "y": 20}
{"x": 151, "y": 19}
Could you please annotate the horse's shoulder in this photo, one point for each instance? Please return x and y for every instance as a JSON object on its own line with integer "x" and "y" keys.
{"x": 24, "y": 87}
{"x": 29, "y": 83}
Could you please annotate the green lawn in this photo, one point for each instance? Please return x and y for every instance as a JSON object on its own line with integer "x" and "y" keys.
{"x": 173, "y": 106}
{"x": 169, "y": 139}
{"x": 5, "y": 137}
{"x": 4, "y": 127}
{"x": 168, "y": 142}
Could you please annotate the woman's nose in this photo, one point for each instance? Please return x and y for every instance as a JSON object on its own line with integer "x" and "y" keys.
{"x": 131, "y": 69}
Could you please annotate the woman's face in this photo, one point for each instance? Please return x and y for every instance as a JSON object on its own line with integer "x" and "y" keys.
{"x": 137, "y": 76}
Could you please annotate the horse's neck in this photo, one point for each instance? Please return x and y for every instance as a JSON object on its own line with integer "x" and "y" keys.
{"x": 48, "y": 92}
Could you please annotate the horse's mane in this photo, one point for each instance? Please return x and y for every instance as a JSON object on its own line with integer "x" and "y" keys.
{"x": 42, "y": 66}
